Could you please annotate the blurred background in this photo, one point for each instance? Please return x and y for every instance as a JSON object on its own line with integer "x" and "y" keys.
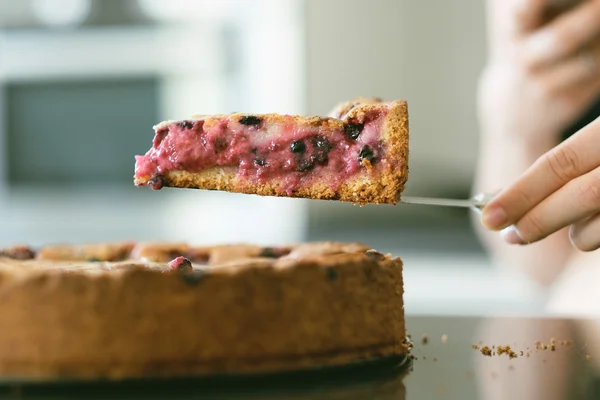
{"x": 82, "y": 82}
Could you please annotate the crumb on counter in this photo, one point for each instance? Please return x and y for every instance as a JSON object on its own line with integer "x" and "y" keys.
{"x": 486, "y": 351}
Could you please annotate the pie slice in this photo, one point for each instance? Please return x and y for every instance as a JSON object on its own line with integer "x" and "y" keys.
{"x": 359, "y": 154}
{"x": 137, "y": 310}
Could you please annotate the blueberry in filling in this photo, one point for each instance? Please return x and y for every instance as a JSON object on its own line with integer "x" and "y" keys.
{"x": 250, "y": 120}
{"x": 186, "y": 124}
{"x": 305, "y": 165}
{"x": 322, "y": 147}
{"x": 298, "y": 146}
{"x": 366, "y": 153}
{"x": 353, "y": 130}
{"x": 260, "y": 161}
{"x": 320, "y": 143}
{"x": 220, "y": 144}
{"x": 320, "y": 157}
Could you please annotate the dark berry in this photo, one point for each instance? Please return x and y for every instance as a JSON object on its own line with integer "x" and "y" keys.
{"x": 93, "y": 259}
{"x": 353, "y": 131}
{"x": 267, "y": 252}
{"x": 322, "y": 147}
{"x": 366, "y": 154}
{"x": 181, "y": 264}
{"x": 157, "y": 182}
{"x": 186, "y": 124}
{"x": 298, "y": 146}
{"x": 18, "y": 253}
{"x": 320, "y": 143}
{"x": 250, "y": 120}
{"x": 305, "y": 165}
{"x": 260, "y": 161}
{"x": 220, "y": 144}
{"x": 332, "y": 274}
{"x": 273, "y": 252}
{"x": 160, "y": 136}
{"x": 320, "y": 157}
{"x": 192, "y": 278}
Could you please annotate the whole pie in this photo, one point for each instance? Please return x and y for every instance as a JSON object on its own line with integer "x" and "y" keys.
{"x": 127, "y": 310}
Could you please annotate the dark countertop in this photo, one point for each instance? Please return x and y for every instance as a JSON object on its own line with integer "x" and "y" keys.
{"x": 446, "y": 366}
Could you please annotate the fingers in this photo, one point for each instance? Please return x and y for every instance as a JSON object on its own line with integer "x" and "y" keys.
{"x": 572, "y": 72}
{"x": 529, "y": 14}
{"x": 585, "y": 234}
{"x": 565, "y": 35}
{"x": 577, "y": 200}
{"x": 576, "y": 156}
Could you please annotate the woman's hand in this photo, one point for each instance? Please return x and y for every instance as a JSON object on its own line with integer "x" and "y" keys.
{"x": 562, "y": 188}
{"x": 541, "y": 76}
{"x": 543, "y": 70}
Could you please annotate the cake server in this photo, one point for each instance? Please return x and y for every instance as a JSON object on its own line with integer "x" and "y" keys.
{"x": 476, "y": 202}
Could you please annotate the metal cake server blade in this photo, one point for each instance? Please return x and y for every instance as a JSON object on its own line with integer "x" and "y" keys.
{"x": 476, "y": 202}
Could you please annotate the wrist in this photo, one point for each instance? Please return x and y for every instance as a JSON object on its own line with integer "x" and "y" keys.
{"x": 499, "y": 140}
{"x": 505, "y": 132}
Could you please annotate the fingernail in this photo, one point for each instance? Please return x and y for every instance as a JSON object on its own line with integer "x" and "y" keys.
{"x": 540, "y": 46}
{"x": 511, "y": 235}
{"x": 494, "y": 218}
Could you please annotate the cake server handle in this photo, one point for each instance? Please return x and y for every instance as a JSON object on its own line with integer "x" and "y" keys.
{"x": 475, "y": 203}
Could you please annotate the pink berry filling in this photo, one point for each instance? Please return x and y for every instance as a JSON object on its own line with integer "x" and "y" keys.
{"x": 294, "y": 154}
{"x": 180, "y": 264}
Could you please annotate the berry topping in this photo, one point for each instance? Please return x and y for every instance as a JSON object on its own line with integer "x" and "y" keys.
{"x": 298, "y": 146}
{"x": 273, "y": 252}
{"x": 250, "y": 120}
{"x": 192, "y": 278}
{"x": 260, "y": 161}
{"x": 353, "y": 131}
{"x": 186, "y": 124}
{"x": 366, "y": 154}
{"x": 181, "y": 264}
{"x": 332, "y": 274}
{"x": 157, "y": 182}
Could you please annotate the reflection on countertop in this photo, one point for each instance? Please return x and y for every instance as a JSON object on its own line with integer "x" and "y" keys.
{"x": 549, "y": 359}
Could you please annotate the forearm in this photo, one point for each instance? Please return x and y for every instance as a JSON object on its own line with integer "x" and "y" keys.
{"x": 504, "y": 156}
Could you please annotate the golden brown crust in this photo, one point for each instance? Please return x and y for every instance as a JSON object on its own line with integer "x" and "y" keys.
{"x": 87, "y": 252}
{"x": 380, "y": 186}
{"x": 318, "y": 304}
